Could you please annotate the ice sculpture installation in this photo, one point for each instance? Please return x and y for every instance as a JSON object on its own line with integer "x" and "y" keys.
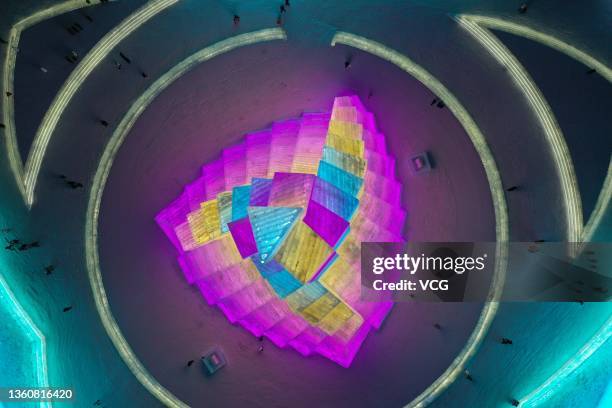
{"x": 271, "y": 231}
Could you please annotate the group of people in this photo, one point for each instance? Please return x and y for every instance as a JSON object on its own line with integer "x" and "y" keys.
{"x": 284, "y": 7}
{"x": 74, "y": 29}
{"x": 18, "y": 245}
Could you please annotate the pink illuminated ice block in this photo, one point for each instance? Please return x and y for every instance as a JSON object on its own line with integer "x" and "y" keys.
{"x": 270, "y": 233}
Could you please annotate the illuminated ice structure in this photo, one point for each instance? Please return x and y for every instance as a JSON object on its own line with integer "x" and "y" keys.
{"x": 271, "y": 231}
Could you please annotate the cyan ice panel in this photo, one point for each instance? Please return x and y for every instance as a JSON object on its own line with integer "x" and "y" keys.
{"x": 334, "y": 199}
{"x": 345, "y": 181}
{"x": 240, "y": 201}
{"x": 284, "y": 283}
{"x": 270, "y": 226}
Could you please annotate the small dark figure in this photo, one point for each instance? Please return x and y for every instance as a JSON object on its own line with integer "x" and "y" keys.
{"x": 25, "y": 247}
{"x": 434, "y": 101}
{"x": 260, "y": 349}
{"x": 117, "y": 65}
{"x": 580, "y": 301}
{"x": 236, "y": 19}
{"x": 190, "y": 363}
{"x": 49, "y": 269}
{"x": 260, "y": 338}
{"x": 591, "y": 71}
{"x": 62, "y": 176}
{"x": 126, "y": 59}
{"x": 505, "y": 340}
{"x": 74, "y": 29}
{"x": 523, "y": 8}
{"x": 67, "y": 309}
{"x": 513, "y": 188}
{"x": 468, "y": 376}
{"x": 279, "y": 21}
{"x": 74, "y": 185}
{"x": 282, "y": 8}
{"x": 97, "y": 403}
{"x": 2, "y": 126}
{"x": 88, "y": 17}
{"x": 287, "y": 3}
{"x": 103, "y": 123}
{"x": 3, "y": 41}
{"x": 539, "y": 241}
{"x": 437, "y": 326}
{"x": 12, "y": 244}
{"x": 600, "y": 289}
{"x": 72, "y": 57}
{"x": 514, "y": 402}
{"x": 9, "y": 94}
{"x": 440, "y": 104}
{"x": 143, "y": 74}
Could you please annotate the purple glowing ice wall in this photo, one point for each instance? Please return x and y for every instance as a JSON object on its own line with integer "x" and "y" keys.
{"x": 271, "y": 231}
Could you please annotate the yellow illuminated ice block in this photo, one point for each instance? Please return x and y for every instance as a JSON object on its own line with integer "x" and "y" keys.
{"x": 345, "y": 144}
{"x": 350, "y": 130}
{"x": 305, "y": 295}
{"x": 337, "y": 276}
{"x": 224, "y": 203}
{"x": 347, "y": 162}
{"x": 205, "y": 223}
{"x": 342, "y": 278}
{"x": 336, "y": 318}
{"x": 347, "y": 114}
{"x": 350, "y": 250}
{"x": 348, "y": 329}
{"x": 303, "y": 252}
{"x": 318, "y": 309}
